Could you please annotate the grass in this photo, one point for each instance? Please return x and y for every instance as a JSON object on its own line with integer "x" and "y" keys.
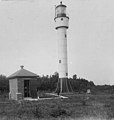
{"x": 75, "y": 107}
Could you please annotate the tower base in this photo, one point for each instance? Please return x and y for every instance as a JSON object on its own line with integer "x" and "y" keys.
{"x": 63, "y": 86}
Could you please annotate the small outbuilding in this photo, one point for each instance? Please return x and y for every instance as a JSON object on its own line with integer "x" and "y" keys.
{"x": 19, "y": 84}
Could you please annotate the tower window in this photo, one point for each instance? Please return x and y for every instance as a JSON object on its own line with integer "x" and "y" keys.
{"x": 66, "y": 74}
{"x": 65, "y": 35}
{"x": 62, "y": 19}
{"x": 59, "y": 61}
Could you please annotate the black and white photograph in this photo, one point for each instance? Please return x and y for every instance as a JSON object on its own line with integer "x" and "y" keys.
{"x": 56, "y": 59}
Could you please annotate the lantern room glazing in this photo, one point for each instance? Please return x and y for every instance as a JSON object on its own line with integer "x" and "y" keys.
{"x": 60, "y": 10}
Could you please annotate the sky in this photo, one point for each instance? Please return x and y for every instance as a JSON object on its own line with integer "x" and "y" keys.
{"x": 28, "y": 37}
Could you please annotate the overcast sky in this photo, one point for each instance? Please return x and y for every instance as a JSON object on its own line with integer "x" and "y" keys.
{"x": 28, "y": 37}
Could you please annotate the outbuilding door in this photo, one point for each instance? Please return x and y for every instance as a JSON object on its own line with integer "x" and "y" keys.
{"x": 26, "y": 88}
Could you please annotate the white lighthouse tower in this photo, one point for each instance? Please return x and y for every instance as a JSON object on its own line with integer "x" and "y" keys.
{"x": 61, "y": 25}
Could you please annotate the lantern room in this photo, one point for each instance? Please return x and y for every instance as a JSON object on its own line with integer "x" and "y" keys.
{"x": 61, "y": 18}
{"x": 60, "y": 10}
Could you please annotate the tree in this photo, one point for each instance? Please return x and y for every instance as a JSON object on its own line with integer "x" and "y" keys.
{"x": 74, "y": 76}
{"x": 4, "y": 84}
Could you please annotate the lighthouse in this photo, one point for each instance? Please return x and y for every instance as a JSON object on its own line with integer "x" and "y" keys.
{"x": 61, "y": 26}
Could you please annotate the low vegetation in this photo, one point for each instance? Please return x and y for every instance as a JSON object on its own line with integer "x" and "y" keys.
{"x": 76, "y": 106}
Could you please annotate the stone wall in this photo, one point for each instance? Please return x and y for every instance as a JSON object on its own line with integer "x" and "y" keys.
{"x": 13, "y": 89}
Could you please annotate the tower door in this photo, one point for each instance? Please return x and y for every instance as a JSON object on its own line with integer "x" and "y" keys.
{"x": 26, "y": 88}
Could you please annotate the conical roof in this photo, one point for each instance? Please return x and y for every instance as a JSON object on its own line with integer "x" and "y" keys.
{"x": 23, "y": 73}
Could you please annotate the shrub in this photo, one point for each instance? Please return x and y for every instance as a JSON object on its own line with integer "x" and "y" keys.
{"x": 83, "y": 102}
{"x": 58, "y": 111}
{"x": 112, "y": 97}
{"x": 37, "y": 112}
